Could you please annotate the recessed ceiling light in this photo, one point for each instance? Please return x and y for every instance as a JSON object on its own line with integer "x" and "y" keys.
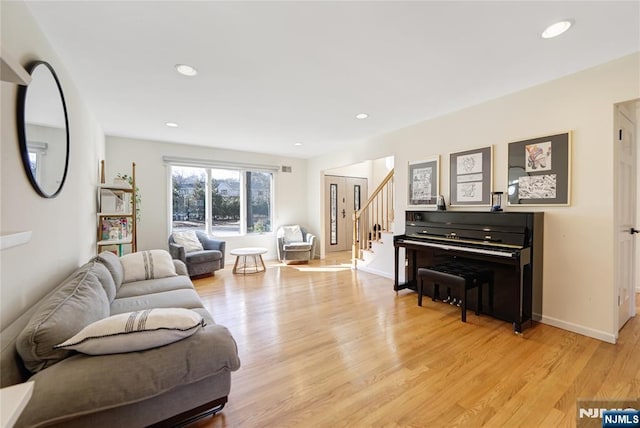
{"x": 298, "y": 144}
{"x": 171, "y": 124}
{"x": 554, "y": 30}
{"x": 362, "y": 116}
{"x": 186, "y": 70}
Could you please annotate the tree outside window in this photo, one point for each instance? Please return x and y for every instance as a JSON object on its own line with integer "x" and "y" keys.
{"x": 258, "y": 201}
{"x": 225, "y": 201}
{"x": 188, "y": 198}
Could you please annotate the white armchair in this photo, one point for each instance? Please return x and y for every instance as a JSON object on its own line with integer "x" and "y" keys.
{"x": 295, "y": 244}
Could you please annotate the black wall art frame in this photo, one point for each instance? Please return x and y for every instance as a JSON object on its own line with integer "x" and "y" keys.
{"x": 471, "y": 177}
{"x": 539, "y": 171}
{"x": 424, "y": 183}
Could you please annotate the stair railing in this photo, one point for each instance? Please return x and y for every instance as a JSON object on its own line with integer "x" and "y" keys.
{"x": 375, "y": 217}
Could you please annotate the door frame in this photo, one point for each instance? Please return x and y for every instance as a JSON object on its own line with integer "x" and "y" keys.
{"x": 346, "y": 232}
{"x": 631, "y": 110}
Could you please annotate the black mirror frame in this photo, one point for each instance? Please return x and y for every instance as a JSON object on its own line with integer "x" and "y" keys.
{"x": 22, "y": 132}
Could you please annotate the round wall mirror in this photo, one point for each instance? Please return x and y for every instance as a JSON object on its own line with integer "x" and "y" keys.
{"x": 43, "y": 130}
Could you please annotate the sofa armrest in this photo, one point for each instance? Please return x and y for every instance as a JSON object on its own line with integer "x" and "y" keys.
{"x": 280, "y": 248}
{"x": 311, "y": 238}
{"x": 222, "y": 247}
{"x": 177, "y": 252}
{"x": 212, "y": 244}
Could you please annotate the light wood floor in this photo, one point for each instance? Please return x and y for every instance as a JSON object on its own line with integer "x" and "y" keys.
{"x": 324, "y": 346}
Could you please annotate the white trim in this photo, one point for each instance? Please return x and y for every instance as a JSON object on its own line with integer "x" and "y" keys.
{"x": 374, "y": 271}
{"x": 180, "y": 161}
{"x": 208, "y": 201}
{"x": 576, "y": 328}
{"x": 169, "y": 199}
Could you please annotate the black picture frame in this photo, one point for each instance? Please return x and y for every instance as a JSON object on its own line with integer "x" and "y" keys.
{"x": 424, "y": 183}
{"x": 471, "y": 177}
{"x": 539, "y": 171}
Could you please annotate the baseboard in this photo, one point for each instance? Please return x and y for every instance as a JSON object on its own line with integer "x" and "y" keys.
{"x": 576, "y": 328}
{"x": 375, "y": 271}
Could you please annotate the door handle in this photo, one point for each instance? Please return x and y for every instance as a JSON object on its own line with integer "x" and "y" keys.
{"x": 344, "y": 214}
{"x": 632, "y": 231}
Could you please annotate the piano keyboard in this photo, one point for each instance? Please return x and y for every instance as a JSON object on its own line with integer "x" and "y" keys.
{"x": 507, "y": 254}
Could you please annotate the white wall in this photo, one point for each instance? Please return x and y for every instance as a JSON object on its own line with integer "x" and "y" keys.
{"x": 373, "y": 170}
{"x": 64, "y": 227}
{"x": 379, "y": 170}
{"x": 578, "y": 290}
{"x": 152, "y": 180}
{"x": 360, "y": 170}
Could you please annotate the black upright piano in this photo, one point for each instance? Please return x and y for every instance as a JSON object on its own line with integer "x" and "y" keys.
{"x": 509, "y": 243}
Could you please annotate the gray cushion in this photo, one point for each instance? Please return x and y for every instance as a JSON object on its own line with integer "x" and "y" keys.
{"x": 204, "y": 256}
{"x": 103, "y": 275}
{"x": 297, "y": 246}
{"x": 169, "y": 299}
{"x": 150, "y": 286}
{"x": 79, "y": 302}
{"x": 113, "y": 264}
{"x": 105, "y": 278}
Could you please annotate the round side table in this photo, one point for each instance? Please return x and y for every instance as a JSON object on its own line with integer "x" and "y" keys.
{"x": 244, "y": 253}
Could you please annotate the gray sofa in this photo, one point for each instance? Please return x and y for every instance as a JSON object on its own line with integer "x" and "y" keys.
{"x": 164, "y": 385}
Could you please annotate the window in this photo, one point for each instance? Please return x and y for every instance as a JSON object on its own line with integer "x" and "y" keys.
{"x": 221, "y": 201}
{"x": 225, "y": 198}
{"x": 258, "y": 201}
{"x": 189, "y": 189}
{"x": 37, "y": 151}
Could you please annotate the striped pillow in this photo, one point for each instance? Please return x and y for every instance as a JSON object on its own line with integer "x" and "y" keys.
{"x": 135, "y": 331}
{"x": 189, "y": 240}
{"x": 151, "y": 264}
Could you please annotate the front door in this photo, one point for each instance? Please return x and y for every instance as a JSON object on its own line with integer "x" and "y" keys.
{"x": 625, "y": 214}
{"x": 343, "y": 196}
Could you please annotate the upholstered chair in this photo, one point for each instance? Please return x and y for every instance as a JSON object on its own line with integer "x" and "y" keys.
{"x": 295, "y": 244}
{"x": 201, "y": 254}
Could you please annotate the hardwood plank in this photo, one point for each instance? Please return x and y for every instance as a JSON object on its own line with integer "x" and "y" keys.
{"x": 322, "y": 345}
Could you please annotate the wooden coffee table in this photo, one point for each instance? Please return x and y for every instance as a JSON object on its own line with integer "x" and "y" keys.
{"x": 244, "y": 253}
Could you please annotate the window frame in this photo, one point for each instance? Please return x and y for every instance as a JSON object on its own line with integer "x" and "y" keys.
{"x": 242, "y": 169}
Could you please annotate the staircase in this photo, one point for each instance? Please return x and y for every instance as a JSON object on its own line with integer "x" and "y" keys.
{"x": 372, "y": 248}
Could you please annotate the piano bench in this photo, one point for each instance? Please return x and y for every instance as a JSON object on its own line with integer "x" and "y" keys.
{"x": 456, "y": 274}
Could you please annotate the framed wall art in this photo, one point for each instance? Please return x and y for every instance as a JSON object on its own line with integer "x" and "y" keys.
{"x": 539, "y": 171}
{"x": 471, "y": 177}
{"x": 424, "y": 183}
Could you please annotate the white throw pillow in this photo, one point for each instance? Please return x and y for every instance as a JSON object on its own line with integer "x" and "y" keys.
{"x": 135, "y": 331}
{"x": 292, "y": 234}
{"x": 151, "y": 264}
{"x": 188, "y": 240}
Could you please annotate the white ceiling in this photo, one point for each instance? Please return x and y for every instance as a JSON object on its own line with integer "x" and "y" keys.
{"x": 275, "y": 73}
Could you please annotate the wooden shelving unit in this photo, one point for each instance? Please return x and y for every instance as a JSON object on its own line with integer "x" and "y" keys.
{"x": 117, "y": 219}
